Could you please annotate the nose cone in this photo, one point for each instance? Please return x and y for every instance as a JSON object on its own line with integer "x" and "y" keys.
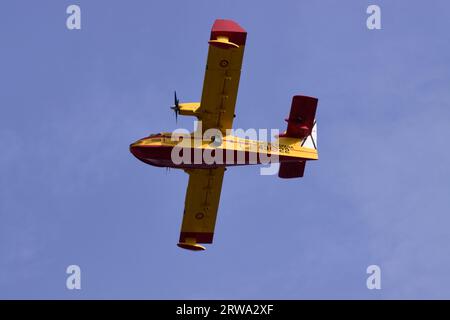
{"x": 149, "y": 153}
{"x": 136, "y": 149}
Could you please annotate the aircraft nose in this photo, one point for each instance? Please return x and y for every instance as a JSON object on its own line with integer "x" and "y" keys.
{"x": 135, "y": 149}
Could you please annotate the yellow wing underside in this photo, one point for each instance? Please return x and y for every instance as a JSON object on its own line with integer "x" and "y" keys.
{"x": 220, "y": 87}
{"x": 201, "y": 204}
{"x": 216, "y": 110}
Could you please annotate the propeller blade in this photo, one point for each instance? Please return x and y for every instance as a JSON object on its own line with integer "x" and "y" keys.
{"x": 176, "y": 106}
{"x": 176, "y": 99}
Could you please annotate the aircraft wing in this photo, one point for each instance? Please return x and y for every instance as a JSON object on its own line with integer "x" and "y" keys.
{"x": 200, "y": 207}
{"x": 223, "y": 70}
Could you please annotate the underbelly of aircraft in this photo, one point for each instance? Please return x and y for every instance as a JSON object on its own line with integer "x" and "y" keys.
{"x": 195, "y": 158}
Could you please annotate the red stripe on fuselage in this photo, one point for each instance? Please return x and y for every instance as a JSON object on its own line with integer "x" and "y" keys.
{"x": 161, "y": 156}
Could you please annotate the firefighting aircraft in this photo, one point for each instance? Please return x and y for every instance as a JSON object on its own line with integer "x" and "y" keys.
{"x": 216, "y": 111}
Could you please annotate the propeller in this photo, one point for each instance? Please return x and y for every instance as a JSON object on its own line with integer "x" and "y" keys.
{"x": 176, "y": 106}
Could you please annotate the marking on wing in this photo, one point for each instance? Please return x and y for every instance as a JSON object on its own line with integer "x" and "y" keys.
{"x": 224, "y": 63}
{"x": 199, "y": 215}
{"x": 208, "y": 188}
{"x": 223, "y": 98}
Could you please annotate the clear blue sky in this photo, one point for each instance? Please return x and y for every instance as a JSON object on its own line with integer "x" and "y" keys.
{"x": 71, "y": 193}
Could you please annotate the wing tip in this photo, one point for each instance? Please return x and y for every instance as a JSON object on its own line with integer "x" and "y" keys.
{"x": 229, "y": 28}
{"x": 196, "y": 237}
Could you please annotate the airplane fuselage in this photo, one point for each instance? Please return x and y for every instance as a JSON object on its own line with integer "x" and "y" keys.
{"x": 162, "y": 150}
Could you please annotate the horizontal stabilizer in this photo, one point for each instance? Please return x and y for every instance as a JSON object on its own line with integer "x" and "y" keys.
{"x": 301, "y": 118}
{"x": 292, "y": 169}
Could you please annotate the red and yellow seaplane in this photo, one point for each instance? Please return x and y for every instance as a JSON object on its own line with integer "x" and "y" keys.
{"x": 205, "y": 153}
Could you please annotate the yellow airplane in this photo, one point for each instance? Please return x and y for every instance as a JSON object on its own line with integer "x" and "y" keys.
{"x": 205, "y": 153}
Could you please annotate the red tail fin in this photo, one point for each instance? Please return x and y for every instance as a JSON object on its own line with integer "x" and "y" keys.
{"x": 292, "y": 169}
{"x": 301, "y": 117}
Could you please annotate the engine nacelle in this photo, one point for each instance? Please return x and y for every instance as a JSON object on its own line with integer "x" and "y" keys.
{"x": 189, "y": 108}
